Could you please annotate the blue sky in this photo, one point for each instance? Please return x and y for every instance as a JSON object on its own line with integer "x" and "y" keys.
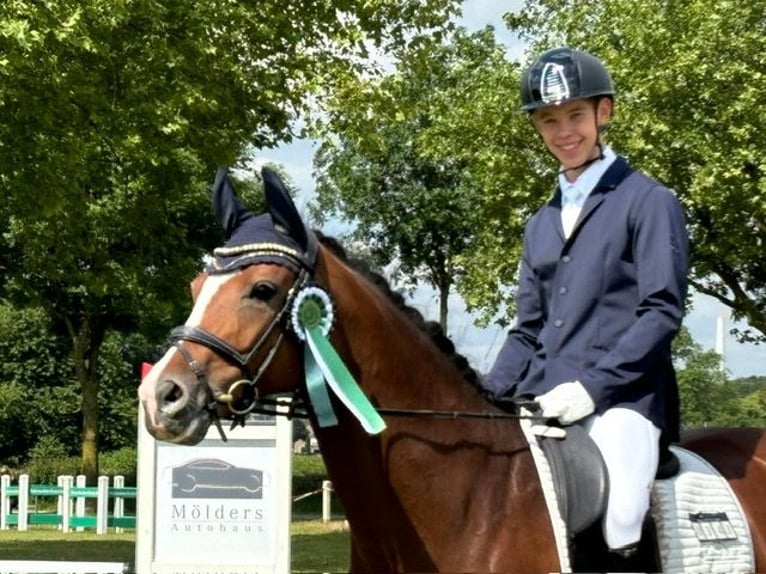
{"x": 481, "y": 345}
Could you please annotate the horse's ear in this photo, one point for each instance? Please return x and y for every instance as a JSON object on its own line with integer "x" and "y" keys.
{"x": 283, "y": 211}
{"x": 228, "y": 209}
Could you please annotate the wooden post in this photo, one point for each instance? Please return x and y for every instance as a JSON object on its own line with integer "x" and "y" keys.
{"x": 5, "y": 501}
{"x": 102, "y": 505}
{"x": 66, "y": 506}
{"x": 119, "y": 501}
{"x": 23, "y": 502}
{"x": 326, "y": 498}
{"x": 79, "y": 505}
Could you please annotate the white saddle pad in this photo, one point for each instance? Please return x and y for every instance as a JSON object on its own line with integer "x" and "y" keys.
{"x": 700, "y": 525}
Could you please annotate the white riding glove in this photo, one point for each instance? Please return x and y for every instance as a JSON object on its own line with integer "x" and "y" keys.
{"x": 569, "y": 402}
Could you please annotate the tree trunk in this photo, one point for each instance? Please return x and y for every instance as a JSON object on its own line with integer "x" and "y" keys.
{"x": 444, "y": 289}
{"x": 87, "y": 339}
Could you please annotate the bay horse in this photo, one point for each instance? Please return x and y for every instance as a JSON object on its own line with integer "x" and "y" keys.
{"x": 433, "y": 493}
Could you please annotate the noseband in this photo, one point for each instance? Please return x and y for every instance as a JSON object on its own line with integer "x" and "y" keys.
{"x": 242, "y": 396}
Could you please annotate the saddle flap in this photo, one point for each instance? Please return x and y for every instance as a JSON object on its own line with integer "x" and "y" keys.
{"x": 580, "y": 477}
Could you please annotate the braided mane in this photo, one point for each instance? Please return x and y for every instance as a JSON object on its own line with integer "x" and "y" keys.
{"x": 432, "y": 328}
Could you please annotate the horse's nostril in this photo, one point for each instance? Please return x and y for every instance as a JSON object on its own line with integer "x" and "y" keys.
{"x": 171, "y": 398}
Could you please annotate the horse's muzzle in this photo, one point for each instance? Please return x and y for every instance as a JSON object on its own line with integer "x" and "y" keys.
{"x": 173, "y": 412}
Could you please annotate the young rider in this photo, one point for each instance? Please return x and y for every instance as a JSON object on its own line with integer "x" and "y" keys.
{"x": 601, "y": 290}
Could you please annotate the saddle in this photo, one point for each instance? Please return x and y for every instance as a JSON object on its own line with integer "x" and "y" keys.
{"x": 580, "y": 477}
{"x": 685, "y": 532}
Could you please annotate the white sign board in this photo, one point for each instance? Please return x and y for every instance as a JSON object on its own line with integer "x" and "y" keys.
{"x": 216, "y": 507}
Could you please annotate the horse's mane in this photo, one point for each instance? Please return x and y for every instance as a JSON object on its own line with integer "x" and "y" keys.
{"x": 432, "y": 328}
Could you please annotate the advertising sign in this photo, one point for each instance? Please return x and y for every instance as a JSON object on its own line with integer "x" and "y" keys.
{"x": 216, "y": 507}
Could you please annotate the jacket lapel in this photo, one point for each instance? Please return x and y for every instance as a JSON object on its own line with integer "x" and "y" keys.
{"x": 553, "y": 214}
{"x": 617, "y": 172}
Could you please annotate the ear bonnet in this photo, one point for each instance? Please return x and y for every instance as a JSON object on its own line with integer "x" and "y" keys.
{"x": 278, "y": 236}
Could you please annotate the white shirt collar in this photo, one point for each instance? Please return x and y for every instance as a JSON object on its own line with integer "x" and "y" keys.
{"x": 579, "y": 189}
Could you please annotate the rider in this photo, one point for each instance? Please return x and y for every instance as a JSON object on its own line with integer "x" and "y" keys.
{"x": 601, "y": 290}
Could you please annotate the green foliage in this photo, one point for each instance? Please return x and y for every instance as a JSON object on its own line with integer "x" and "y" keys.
{"x": 749, "y": 385}
{"x": 308, "y": 473}
{"x": 35, "y": 384}
{"x": 39, "y": 396}
{"x": 48, "y": 460}
{"x": 708, "y": 398}
{"x": 119, "y": 363}
{"x": 396, "y": 159}
{"x": 753, "y": 409}
{"x": 113, "y": 117}
{"x": 690, "y": 82}
{"x": 120, "y": 462}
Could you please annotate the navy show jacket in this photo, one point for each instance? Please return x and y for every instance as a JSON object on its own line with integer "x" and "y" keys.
{"x": 602, "y": 306}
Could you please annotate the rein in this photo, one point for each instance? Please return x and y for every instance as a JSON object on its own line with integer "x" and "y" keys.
{"x": 298, "y": 410}
{"x": 464, "y": 414}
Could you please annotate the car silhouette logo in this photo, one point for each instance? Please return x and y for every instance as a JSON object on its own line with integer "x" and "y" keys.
{"x": 215, "y": 478}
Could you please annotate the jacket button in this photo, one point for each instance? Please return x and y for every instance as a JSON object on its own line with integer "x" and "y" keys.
{"x": 562, "y": 290}
{"x": 566, "y": 259}
{"x": 558, "y": 323}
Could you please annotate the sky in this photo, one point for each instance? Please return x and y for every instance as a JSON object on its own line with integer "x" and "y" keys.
{"x": 706, "y": 318}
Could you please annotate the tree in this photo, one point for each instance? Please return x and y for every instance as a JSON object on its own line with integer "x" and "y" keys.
{"x": 39, "y": 392}
{"x": 384, "y": 164}
{"x": 708, "y": 397}
{"x": 113, "y": 117}
{"x": 690, "y": 80}
{"x": 701, "y": 382}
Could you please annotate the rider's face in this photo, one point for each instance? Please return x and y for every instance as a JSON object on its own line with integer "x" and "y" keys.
{"x": 570, "y": 130}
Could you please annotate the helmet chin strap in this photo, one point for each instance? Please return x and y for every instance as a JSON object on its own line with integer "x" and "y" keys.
{"x": 586, "y": 163}
{"x": 600, "y": 129}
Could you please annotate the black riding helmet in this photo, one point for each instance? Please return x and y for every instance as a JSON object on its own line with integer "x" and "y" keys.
{"x": 563, "y": 75}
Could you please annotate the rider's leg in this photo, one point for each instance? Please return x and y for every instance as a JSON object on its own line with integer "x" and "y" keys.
{"x": 629, "y": 444}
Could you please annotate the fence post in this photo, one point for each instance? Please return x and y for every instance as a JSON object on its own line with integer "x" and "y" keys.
{"x": 102, "y": 505}
{"x": 23, "y": 502}
{"x": 66, "y": 504}
{"x": 119, "y": 501}
{"x": 326, "y": 493}
{"x": 79, "y": 505}
{"x": 5, "y": 501}
{"x": 60, "y": 500}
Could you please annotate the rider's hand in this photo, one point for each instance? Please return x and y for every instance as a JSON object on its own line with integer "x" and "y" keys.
{"x": 569, "y": 402}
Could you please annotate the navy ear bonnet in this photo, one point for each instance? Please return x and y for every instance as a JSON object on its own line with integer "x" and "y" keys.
{"x": 279, "y": 236}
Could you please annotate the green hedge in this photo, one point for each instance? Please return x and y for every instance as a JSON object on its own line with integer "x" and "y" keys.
{"x": 308, "y": 473}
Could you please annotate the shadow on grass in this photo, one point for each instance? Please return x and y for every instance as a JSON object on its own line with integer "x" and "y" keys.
{"x": 69, "y": 549}
{"x": 315, "y": 547}
{"x": 325, "y": 552}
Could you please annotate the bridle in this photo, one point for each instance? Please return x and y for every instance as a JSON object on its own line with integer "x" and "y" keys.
{"x": 242, "y": 397}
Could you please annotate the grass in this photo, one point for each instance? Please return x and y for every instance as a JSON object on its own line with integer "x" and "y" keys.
{"x": 315, "y": 546}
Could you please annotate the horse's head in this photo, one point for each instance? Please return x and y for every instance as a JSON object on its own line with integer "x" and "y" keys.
{"x": 218, "y": 362}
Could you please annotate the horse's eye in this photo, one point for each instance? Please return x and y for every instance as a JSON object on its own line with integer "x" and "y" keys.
{"x": 262, "y": 291}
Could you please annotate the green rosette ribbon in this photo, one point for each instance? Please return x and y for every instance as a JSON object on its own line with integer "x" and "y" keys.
{"x": 312, "y": 318}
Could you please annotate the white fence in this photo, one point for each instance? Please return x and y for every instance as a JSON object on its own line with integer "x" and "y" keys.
{"x": 70, "y": 494}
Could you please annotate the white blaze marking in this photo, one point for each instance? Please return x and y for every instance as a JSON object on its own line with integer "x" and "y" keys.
{"x": 209, "y": 288}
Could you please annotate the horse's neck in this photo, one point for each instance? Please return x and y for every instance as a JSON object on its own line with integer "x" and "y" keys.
{"x": 390, "y": 484}
{"x": 394, "y": 360}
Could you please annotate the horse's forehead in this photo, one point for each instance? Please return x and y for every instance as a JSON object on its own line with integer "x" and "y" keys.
{"x": 210, "y": 286}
